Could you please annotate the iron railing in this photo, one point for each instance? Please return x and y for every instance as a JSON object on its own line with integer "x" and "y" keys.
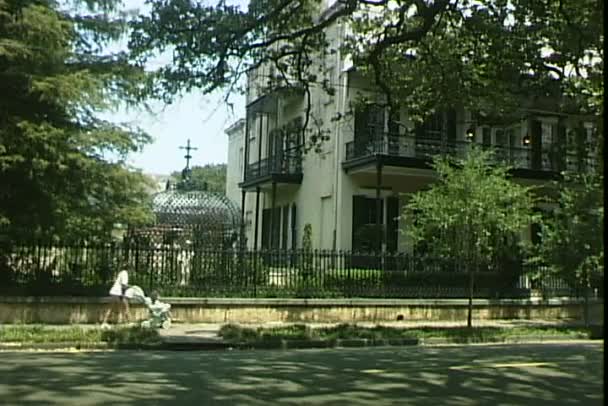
{"x": 425, "y": 148}
{"x": 83, "y": 269}
{"x": 289, "y": 163}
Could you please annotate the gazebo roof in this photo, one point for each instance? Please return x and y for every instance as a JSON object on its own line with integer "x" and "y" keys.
{"x": 196, "y": 208}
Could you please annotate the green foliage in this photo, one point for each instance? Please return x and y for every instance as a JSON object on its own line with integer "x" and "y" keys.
{"x": 307, "y": 237}
{"x": 473, "y": 212}
{"x": 43, "y": 334}
{"x": 211, "y": 177}
{"x": 423, "y": 56}
{"x": 236, "y": 333}
{"x": 78, "y": 335}
{"x": 62, "y": 168}
{"x": 307, "y": 255}
{"x": 131, "y": 336}
{"x": 572, "y": 238}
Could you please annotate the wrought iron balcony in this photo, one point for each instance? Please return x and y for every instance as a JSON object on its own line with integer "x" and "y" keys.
{"x": 286, "y": 167}
{"x": 424, "y": 148}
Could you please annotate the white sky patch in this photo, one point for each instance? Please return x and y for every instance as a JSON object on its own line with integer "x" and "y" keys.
{"x": 200, "y": 118}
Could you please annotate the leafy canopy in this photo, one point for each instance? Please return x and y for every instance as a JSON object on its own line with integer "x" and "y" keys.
{"x": 211, "y": 177}
{"x": 473, "y": 210}
{"x": 572, "y": 237}
{"x": 62, "y": 168}
{"x": 421, "y": 55}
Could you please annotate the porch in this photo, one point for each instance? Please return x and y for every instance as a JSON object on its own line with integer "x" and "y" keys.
{"x": 415, "y": 152}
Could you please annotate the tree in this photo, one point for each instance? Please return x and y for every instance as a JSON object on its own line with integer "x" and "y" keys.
{"x": 572, "y": 238}
{"x": 211, "y": 177}
{"x": 486, "y": 55}
{"x": 471, "y": 213}
{"x": 62, "y": 168}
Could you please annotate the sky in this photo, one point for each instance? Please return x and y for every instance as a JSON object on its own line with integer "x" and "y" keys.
{"x": 200, "y": 118}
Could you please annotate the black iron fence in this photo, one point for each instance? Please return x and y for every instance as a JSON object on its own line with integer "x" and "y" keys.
{"x": 288, "y": 163}
{"x": 88, "y": 270}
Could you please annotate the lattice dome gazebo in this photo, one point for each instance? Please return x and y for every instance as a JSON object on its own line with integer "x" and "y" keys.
{"x": 197, "y": 218}
{"x": 184, "y": 215}
{"x": 200, "y": 216}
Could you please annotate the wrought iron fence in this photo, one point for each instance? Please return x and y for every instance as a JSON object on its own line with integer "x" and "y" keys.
{"x": 288, "y": 163}
{"x": 83, "y": 269}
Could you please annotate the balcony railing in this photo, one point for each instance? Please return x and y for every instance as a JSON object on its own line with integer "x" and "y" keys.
{"x": 287, "y": 164}
{"x": 425, "y": 148}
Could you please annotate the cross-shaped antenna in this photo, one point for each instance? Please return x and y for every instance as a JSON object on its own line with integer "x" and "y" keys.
{"x": 188, "y": 148}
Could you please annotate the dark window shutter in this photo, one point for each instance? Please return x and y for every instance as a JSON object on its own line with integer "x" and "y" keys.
{"x": 361, "y": 120}
{"x": 360, "y": 217}
{"x": 536, "y": 143}
{"x": 294, "y": 234}
{"x": 451, "y": 124}
{"x": 486, "y": 136}
{"x": 276, "y": 228}
{"x": 266, "y": 213}
{"x": 377, "y": 122}
{"x": 284, "y": 223}
{"x": 419, "y": 130}
{"x": 393, "y": 123}
{"x": 562, "y": 138}
{"x": 560, "y": 148}
{"x": 392, "y": 227}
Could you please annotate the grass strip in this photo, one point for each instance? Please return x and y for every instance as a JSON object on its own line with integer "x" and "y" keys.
{"x": 236, "y": 333}
{"x": 39, "y": 334}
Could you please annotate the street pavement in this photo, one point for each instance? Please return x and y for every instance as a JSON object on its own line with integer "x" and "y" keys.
{"x": 522, "y": 374}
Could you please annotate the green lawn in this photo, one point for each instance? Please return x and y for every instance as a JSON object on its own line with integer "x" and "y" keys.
{"x": 349, "y": 331}
{"x": 47, "y": 334}
{"x": 234, "y": 333}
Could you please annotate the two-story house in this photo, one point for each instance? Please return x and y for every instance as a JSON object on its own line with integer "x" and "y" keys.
{"x": 362, "y": 176}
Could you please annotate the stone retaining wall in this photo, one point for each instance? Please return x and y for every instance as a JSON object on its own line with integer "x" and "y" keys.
{"x": 61, "y": 310}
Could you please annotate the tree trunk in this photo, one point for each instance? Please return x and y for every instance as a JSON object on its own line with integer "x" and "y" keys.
{"x": 586, "y": 309}
{"x": 470, "y": 307}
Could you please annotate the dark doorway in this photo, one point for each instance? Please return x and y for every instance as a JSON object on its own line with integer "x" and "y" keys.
{"x": 271, "y": 237}
{"x": 369, "y": 128}
{"x": 365, "y": 236}
{"x": 536, "y": 140}
{"x": 365, "y": 242}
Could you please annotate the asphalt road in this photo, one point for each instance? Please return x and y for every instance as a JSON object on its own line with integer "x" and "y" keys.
{"x": 523, "y": 374}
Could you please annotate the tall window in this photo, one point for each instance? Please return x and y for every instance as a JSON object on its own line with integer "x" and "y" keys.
{"x": 432, "y": 128}
{"x": 369, "y": 122}
{"x": 501, "y": 138}
{"x": 284, "y": 224}
{"x": 294, "y": 231}
{"x": 486, "y": 136}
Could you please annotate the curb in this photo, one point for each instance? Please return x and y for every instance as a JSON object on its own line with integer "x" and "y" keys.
{"x": 507, "y": 340}
{"x": 55, "y": 346}
{"x": 285, "y": 344}
{"x": 336, "y": 343}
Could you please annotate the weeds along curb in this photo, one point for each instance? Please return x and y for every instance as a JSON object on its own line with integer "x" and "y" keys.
{"x": 66, "y": 345}
{"x": 335, "y": 343}
{"x": 55, "y": 346}
{"x": 282, "y": 344}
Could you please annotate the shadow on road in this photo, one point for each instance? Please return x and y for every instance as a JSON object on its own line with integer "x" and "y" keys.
{"x": 464, "y": 375}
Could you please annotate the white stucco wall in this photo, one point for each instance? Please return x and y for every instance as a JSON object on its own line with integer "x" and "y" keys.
{"x": 235, "y": 160}
{"x": 324, "y": 197}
